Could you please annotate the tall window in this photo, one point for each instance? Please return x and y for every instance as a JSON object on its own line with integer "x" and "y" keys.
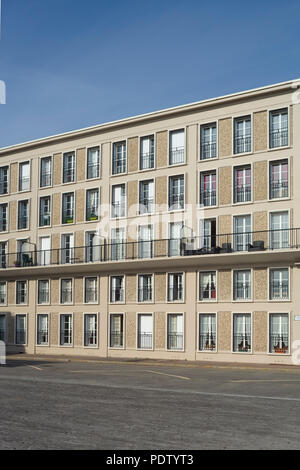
{"x": 23, "y": 215}
{"x": 118, "y": 246}
{"x": 145, "y": 331}
{"x": 175, "y": 331}
{"x": 208, "y": 141}
{"x": 91, "y": 290}
{"x": 43, "y": 291}
{"x": 24, "y": 176}
{"x": 2, "y": 327}
{"x": 45, "y": 211}
{"x": 146, "y": 196}
{"x": 4, "y": 172}
{"x": 176, "y": 192}
{"x": 208, "y": 236}
{"x": 175, "y": 238}
{"x": 93, "y": 162}
{"x": 242, "y": 232}
{"x": 3, "y": 254}
{"x": 45, "y": 251}
{"x": 66, "y": 330}
{"x": 66, "y": 291}
{"x": 46, "y": 172}
{"x": 119, "y": 158}
{"x": 175, "y": 287}
{"x": 21, "y": 291}
{"x": 242, "y": 134}
{"x": 116, "y": 330}
{"x": 279, "y": 234}
{"x": 117, "y": 293}
{"x": 42, "y": 329}
{"x": 242, "y": 332}
{"x": 147, "y": 152}
{"x": 67, "y": 251}
{"x": 208, "y": 185}
{"x": 118, "y": 201}
{"x": 279, "y": 185}
{"x": 21, "y": 329}
{"x": 90, "y": 329}
{"x": 279, "y": 284}
{"x": 207, "y": 332}
{"x": 145, "y": 288}
{"x": 145, "y": 243}
{"x": 3, "y": 217}
{"x": 69, "y": 167}
{"x": 279, "y": 333}
{"x": 207, "y": 286}
{"x": 279, "y": 128}
{"x": 176, "y": 150}
{"x": 92, "y": 204}
{"x": 3, "y": 298}
{"x": 93, "y": 247}
{"x": 242, "y": 184}
{"x": 68, "y": 208}
{"x": 242, "y": 285}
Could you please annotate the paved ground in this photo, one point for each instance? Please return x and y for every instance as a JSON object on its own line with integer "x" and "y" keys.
{"x": 146, "y": 405}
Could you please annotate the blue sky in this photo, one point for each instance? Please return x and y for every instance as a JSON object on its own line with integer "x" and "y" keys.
{"x": 70, "y": 64}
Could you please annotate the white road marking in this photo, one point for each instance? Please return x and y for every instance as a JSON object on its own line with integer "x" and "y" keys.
{"x": 265, "y": 380}
{"x": 37, "y": 368}
{"x": 169, "y": 375}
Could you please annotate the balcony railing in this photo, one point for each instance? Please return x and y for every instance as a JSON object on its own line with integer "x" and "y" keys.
{"x": 208, "y": 197}
{"x": 42, "y": 337}
{"x": 241, "y": 290}
{"x": 176, "y": 155}
{"x": 145, "y": 340}
{"x": 176, "y": 201}
{"x": 207, "y": 341}
{"x": 175, "y": 341}
{"x": 3, "y": 186}
{"x": 242, "y": 193}
{"x": 145, "y": 294}
{"x": 147, "y": 161}
{"x": 279, "y": 138}
{"x": 116, "y": 339}
{"x": 93, "y": 170}
{"x": 242, "y": 342}
{"x": 20, "y": 337}
{"x": 208, "y": 150}
{"x": 46, "y": 179}
{"x": 279, "y": 290}
{"x": 119, "y": 165}
{"x": 277, "y": 239}
{"x": 279, "y": 343}
{"x": 242, "y": 144}
{"x": 90, "y": 338}
{"x": 279, "y": 189}
{"x": 69, "y": 175}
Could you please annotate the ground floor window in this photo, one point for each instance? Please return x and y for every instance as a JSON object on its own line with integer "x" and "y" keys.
{"x": 66, "y": 330}
{"x": 207, "y": 332}
{"x": 42, "y": 329}
{"x": 145, "y": 331}
{"x": 20, "y": 329}
{"x": 2, "y": 327}
{"x": 116, "y": 330}
{"x": 242, "y": 332}
{"x": 90, "y": 330}
{"x": 175, "y": 331}
{"x": 279, "y": 333}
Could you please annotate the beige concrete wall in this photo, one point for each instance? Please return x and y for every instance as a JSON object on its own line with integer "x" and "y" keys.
{"x": 224, "y": 285}
{"x": 161, "y": 149}
{"x": 56, "y": 209}
{"x": 291, "y": 124}
{"x": 133, "y": 154}
{"x": 57, "y": 168}
{"x": 160, "y": 286}
{"x": 81, "y": 164}
{"x": 260, "y": 181}
{"x": 260, "y": 131}
{"x": 260, "y": 284}
{"x": 13, "y": 208}
{"x": 224, "y": 331}
{"x": 80, "y": 205}
{"x": 160, "y": 330}
{"x": 260, "y": 329}
{"x": 78, "y": 329}
{"x": 55, "y": 290}
{"x": 11, "y": 293}
{"x": 14, "y": 177}
{"x": 132, "y": 198}
{"x": 54, "y": 328}
{"x": 78, "y": 290}
{"x": 225, "y": 137}
{"x": 225, "y": 185}
{"x": 260, "y": 223}
{"x": 130, "y": 330}
{"x": 161, "y": 188}
{"x": 131, "y": 288}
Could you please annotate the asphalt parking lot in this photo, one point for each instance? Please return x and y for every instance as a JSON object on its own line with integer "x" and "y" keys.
{"x": 48, "y": 404}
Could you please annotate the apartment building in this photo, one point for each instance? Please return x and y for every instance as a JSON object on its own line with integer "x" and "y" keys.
{"x": 171, "y": 235}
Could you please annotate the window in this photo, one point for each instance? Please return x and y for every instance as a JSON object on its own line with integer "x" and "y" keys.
{"x": 279, "y": 284}
{"x": 175, "y": 331}
{"x": 92, "y": 204}
{"x": 69, "y": 167}
{"x": 118, "y": 201}
{"x": 242, "y": 232}
{"x": 147, "y": 153}
{"x": 207, "y": 286}
{"x": 145, "y": 243}
{"x": 176, "y": 192}
{"x": 116, "y": 331}
{"x": 42, "y": 329}
{"x": 66, "y": 291}
{"x": 46, "y": 172}
{"x": 242, "y": 332}
{"x": 3, "y": 254}
{"x": 90, "y": 329}
{"x": 279, "y": 128}
{"x": 4, "y": 172}
{"x": 66, "y": 329}
{"x": 24, "y": 176}
{"x": 117, "y": 289}
{"x": 207, "y": 332}
{"x": 242, "y": 184}
{"x": 279, "y": 235}
{"x": 208, "y": 185}
{"x": 92, "y": 247}
{"x": 119, "y": 158}
{"x": 45, "y": 211}
{"x": 21, "y": 329}
{"x": 242, "y": 135}
{"x": 175, "y": 238}
{"x": 242, "y": 285}
{"x": 3, "y": 298}
{"x": 91, "y": 290}
{"x": 43, "y": 291}
{"x": 23, "y": 215}
{"x": 67, "y": 248}
{"x": 146, "y": 197}
{"x": 145, "y": 331}
{"x": 175, "y": 287}
{"x": 21, "y": 291}
{"x": 45, "y": 252}
{"x": 208, "y": 236}
{"x": 93, "y": 163}
{"x": 145, "y": 288}
{"x": 68, "y": 208}
{"x": 208, "y": 141}
{"x": 279, "y": 186}
{"x": 3, "y": 217}
{"x": 118, "y": 246}
{"x": 2, "y": 327}
{"x": 25, "y": 254}
{"x": 176, "y": 151}
{"x": 279, "y": 333}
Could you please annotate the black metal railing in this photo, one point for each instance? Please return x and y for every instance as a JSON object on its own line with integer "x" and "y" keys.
{"x": 241, "y": 290}
{"x": 69, "y": 175}
{"x": 242, "y": 193}
{"x": 175, "y": 294}
{"x": 145, "y": 294}
{"x": 207, "y": 291}
{"x": 93, "y": 170}
{"x": 145, "y": 340}
{"x": 279, "y": 138}
{"x": 207, "y": 341}
{"x": 242, "y": 144}
{"x": 176, "y": 155}
{"x": 119, "y": 165}
{"x": 146, "y": 205}
{"x": 279, "y": 290}
{"x": 279, "y": 343}
{"x": 66, "y": 337}
{"x": 90, "y": 338}
{"x": 176, "y": 201}
{"x": 116, "y": 339}
{"x": 90, "y": 295}
{"x": 147, "y": 161}
{"x": 42, "y": 337}
{"x": 92, "y": 212}
{"x": 117, "y": 294}
{"x": 208, "y": 150}
{"x": 279, "y": 189}
{"x": 24, "y": 183}
{"x": 175, "y": 341}
{"x": 3, "y": 186}
{"x": 208, "y": 197}
{"x": 21, "y": 336}
{"x": 46, "y": 179}
{"x": 242, "y": 342}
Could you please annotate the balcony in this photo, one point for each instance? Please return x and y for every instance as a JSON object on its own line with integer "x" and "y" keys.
{"x": 145, "y": 340}
{"x": 176, "y": 155}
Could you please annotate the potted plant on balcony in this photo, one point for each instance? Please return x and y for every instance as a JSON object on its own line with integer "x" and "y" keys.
{"x": 93, "y": 216}
{"x": 70, "y": 220}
